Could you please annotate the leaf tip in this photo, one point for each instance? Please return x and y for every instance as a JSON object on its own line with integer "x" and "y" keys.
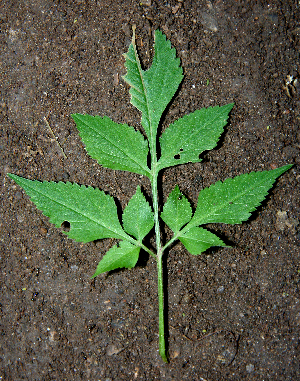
{"x": 11, "y": 175}
{"x": 94, "y": 275}
{"x": 281, "y": 170}
{"x": 133, "y": 32}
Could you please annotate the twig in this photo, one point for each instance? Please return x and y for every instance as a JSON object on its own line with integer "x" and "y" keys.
{"x": 236, "y": 339}
{"x": 52, "y": 133}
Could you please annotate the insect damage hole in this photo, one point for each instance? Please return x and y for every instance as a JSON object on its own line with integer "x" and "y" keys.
{"x": 66, "y": 226}
{"x": 177, "y": 156}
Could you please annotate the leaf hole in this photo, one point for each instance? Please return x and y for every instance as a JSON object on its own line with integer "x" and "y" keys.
{"x": 66, "y": 226}
{"x": 180, "y": 198}
{"x": 181, "y": 150}
{"x": 177, "y": 157}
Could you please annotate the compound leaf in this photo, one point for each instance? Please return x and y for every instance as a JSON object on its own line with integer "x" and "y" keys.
{"x": 92, "y": 214}
{"x": 197, "y": 240}
{"x": 177, "y": 210}
{"x": 232, "y": 201}
{"x": 185, "y": 139}
{"x": 113, "y": 145}
{"x": 138, "y": 217}
{"x": 123, "y": 254}
{"x": 152, "y": 90}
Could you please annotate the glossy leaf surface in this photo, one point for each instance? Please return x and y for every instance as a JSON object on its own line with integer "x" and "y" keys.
{"x": 197, "y": 240}
{"x": 177, "y": 210}
{"x": 185, "y": 139}
{"x": 232, "y": 201}
{"x": 113, "y": 145}
{"x": 123, "y": 254}
{"x": 152, "y": 90}
{"x": 92, "y": 214}
{"x": 138, "y": 217}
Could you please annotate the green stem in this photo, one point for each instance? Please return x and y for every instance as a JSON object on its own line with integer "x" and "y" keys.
{"x": 147, "y": 250}
{"x": 179, "y": 234}
{"x": 160, "y": 289}
{"x": 161, "y": 312}
{"x": 174, "y": 238}
{"x": 155, "y": 207}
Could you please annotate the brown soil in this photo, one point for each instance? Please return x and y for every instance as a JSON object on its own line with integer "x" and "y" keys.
{"x": 234, "y": 313}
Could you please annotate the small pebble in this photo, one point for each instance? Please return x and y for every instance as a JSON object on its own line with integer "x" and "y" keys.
{"x": 43, "y": 230}
{"x": 20, "y": 217}
{"x": 186, "y": 299}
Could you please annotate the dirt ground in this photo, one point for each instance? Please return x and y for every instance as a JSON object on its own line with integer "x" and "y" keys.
{"x": 233, "y": 313}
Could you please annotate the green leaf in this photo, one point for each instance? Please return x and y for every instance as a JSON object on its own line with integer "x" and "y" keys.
{"x": 138, "y": 217}
{"x": 177, "y": 210}
{"x": 184, "y": 140}
{"x": 232, "y": 201}
{"x": 113, "y": 145}
{"x": 152, "y": 90}
{"x": 123, "y": 254}
{"x": 197, "y": 240}
{"x": 91, "y": 213}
